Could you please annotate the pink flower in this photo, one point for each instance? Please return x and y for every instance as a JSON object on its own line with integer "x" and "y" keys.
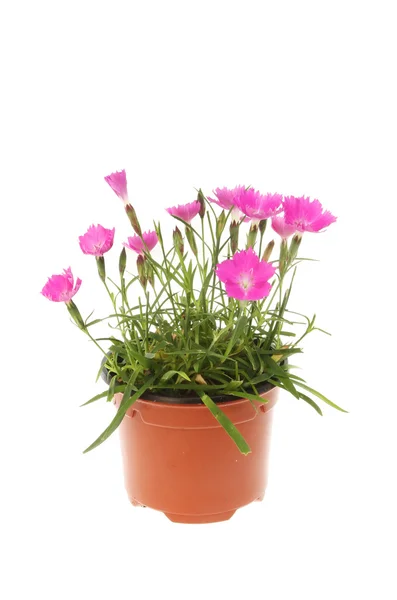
{"x": 257, "y": 206}
{"x": 59, "y": 288}
{"x": 245, "y": 276}
{"x": 136, "y": 243}
{"x": 306, "y": 215}
{"x": 282, "y": 228}
{"x": 97, "y": 240}
{"x": 186, "y": 212}
{"x": 118, "y": 183}
{"x": 225, "y": 198}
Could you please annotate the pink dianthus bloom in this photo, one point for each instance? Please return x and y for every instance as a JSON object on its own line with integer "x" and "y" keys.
{"x": 257, "y": 206}
{"x": 186, "y": 212}
{"x": 61, "y": 288}
{"x": 282, "y": 228}
{"x": 245, "y": 276}
{"x": 97, "y": 240}
{"x": 118, "y": 183}
{"x": 136, "y": 243}
{"x": 305, "y": 214}
{"x": 225, "y": 198}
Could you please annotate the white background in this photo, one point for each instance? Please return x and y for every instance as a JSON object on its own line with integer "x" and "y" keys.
{"x": 294, "y": 97}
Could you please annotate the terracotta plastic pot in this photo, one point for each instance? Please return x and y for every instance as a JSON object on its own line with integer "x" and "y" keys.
{"x": 179, "y": 460}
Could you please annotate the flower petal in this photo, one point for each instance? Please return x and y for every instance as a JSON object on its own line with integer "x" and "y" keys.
{"x": 280, "y": 226}
{"x": 118, "y": 183}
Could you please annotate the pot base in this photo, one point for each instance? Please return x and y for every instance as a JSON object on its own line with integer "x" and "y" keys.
{"x": 175, "y": 518}
{"x": 200, "y": 518}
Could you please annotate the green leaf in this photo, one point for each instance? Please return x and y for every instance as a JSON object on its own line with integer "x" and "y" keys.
{"x": 171, "y": 373}
{"x": 274, "y": 367}
{"x": 238, "y": 330}
{"x": 111, "y": 388}
{"x": 311, "y": 402}
{"x": 125, "y": 404}
{"x": 141, "y": 359}
{"x": 321, "y": 396}
{"x": 248, "y": 396}
{"x": 117, "y": 389}
{"x": 285, "y": 384}
{"x": 233, "y": 384}
{"x": 94, "y": 322}
{"x": 261, "y": 378}
{"x": 226, "y": 423}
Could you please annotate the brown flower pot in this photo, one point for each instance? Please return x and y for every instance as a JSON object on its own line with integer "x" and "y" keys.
{"x": 179, "y": 460}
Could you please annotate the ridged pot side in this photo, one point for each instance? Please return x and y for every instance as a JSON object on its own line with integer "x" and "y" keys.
{"x": 179, "y": 460}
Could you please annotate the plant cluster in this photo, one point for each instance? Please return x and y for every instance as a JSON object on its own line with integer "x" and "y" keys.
{"x": 213, "y": 317}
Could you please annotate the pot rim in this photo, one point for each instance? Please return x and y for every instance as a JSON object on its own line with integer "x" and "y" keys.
{"x": 181, "y": 400}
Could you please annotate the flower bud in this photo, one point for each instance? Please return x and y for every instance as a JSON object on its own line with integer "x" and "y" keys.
{"x": 140, "y": 264}
{"x": 200, "y": 198}
{"x": 283, "y": 261}
{"x": 220, "y": 224}
{"x": 268, "y": 251}
{"x": 251, "y": 237}
{"x": 178, "y": 242}
{"x": 149, "y": 273}
{"x": 131, "y": 214}
{"x": 262, "y": 226}
{"x": 122, "y": 262}
{"x": 157, "y": 229}
{"x": 294, "y": 246}
{"x": 75, "y": 314}
{"x": 100, "y": 263}
{"x": 234, "y": 229}
{"x": 191, "y": 239}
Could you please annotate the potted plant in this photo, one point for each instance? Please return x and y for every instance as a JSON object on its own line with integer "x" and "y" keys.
{"x": 194, "y": 364}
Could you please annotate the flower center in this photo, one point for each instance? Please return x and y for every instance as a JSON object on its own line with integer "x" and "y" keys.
{"x": 246, "y": 280}
{"x": 300, "y": 224}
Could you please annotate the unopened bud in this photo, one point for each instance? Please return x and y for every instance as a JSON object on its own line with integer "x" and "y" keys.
{"x": 140, "y": 264}
{"x": 191, "y": 239}
{"x": 234, "y": 229}
{"x": 178, "y": 241}
{"x": 149, "y": 273}
{"x": 100, "y": 263}
{"x": 294, "y": 246}
{"x": 157, "y": 229}
{"x": 201, "y": 199}
{"x": 268, "y": 251}
{"x": 283, "y": 256}
{"x": 130, "y": 210}
{"x": 122, "y": 262}
{"x": 220, "y": 224}
{"x": 251, "y": 237}
{"x": 262, "y": 226}
{"x": 75, "y": 314}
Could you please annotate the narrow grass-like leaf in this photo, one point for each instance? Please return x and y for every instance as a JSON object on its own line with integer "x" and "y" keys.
{"x": 238, "y": 330}
{"x": 226, "y": 423}
{"x": 320, "y": 396}
{"x": 125, "y": 404}
{"x": 171, "y": 373}
{"x": 111, "y": 389}
{"x": 248, "y": 396}
{"x": 311, "y": 402}
{"x": 287, "y": 385}
{"x": 104, "y": 394}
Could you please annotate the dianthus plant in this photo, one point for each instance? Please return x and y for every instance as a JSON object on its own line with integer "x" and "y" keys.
{"x": 212, "y": 318}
